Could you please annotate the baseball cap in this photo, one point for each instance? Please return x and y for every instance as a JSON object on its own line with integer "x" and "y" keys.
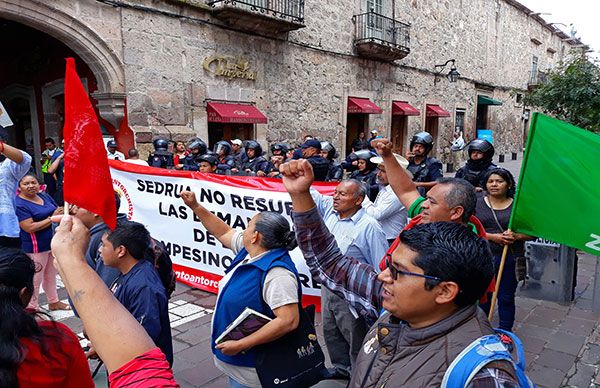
{"x": 236, "y": 142}
{"x": 311, "y": 143}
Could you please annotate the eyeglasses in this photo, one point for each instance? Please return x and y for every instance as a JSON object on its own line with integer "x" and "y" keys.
{"x": 395, "y": 271}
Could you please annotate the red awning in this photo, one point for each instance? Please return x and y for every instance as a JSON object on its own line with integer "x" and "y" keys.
{"x": 234, "y": 113}
{"x": 362, "y": 105}
{"x": 437, "y": 111}
{"x": 400, "y": 108}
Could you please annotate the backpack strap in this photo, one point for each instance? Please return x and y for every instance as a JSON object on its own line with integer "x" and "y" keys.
{"x": 520, "y": 366}
{"x": 472, "y": 359}
{"x": 480, "y": 353}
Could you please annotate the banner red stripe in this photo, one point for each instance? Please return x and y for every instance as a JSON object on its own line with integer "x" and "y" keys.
{"x": 209, "y": 282}
{"x": 245, "y": 182}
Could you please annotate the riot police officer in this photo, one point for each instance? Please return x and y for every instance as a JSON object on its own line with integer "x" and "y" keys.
{"x": 311, "y": 149}
{"x": 161, "y": 157}
{"x": 256, "y": 163}
{"x": 480, "y": 162}
{"x": 367, "y": 172}
{"x": 226, "y": 160}
{"x": 208, "y": 162}
{"x": 280, "y": 149}
{"x": 426, "y": 170}
{"x": 197, "y": 148}
{"x": 335, "y": 172}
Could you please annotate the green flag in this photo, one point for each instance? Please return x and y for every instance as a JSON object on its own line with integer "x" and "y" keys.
{"x": 558, "y": 195}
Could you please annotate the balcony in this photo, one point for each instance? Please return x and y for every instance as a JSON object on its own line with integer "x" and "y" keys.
{"x": 380, "y": 37}
{"x": 536, "y": 78}
{"x": 266, "y": 17}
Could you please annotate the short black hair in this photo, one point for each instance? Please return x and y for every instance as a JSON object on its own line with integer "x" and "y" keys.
{"x": 49, "y": 140}
{"x": 452, "y": 252}
{"x": 462, "y": 194}
{"x": 133, "y": 153}
{"x": 133, "y": 236}
{"x": 117, "y": 201}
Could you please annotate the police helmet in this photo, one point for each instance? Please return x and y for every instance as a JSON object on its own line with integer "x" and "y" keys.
{"x": 111, "y": 143}
{"x": 253, "y": 145}
{"x": 280, "y": 147}
{"x": 366, "y": 155}
{"x": 160, "y": 144}
{"x": 327, "y": 146}
{"x": 197, "y": 143}
{"x": 424, "y": 138}
{"x": 211, "y": 159}
{"x": 222, "y": 146}
{"x": 483, "y": 146}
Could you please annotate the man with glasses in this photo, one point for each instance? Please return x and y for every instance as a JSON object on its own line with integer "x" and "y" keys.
{"x": 428, "y": 295}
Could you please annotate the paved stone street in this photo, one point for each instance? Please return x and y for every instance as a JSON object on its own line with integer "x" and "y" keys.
{"x": 562, "y": 343}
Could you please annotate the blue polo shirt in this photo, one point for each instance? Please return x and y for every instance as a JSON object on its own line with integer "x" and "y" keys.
{"x": 39, "y": 241}
{"x": 142, "y": 293}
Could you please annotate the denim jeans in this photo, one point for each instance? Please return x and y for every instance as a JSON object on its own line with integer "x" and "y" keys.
{"x": 506, "y": 293}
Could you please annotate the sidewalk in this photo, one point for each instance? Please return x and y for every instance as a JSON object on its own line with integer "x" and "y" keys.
{"x": 562, "y": 343}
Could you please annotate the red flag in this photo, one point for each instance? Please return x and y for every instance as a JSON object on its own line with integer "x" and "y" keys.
{"x": 87, "y": 181}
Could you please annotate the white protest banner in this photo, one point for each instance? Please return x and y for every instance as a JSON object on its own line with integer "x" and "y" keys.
{"x": 5, "y": 120}
{"x": 151, "y": 196}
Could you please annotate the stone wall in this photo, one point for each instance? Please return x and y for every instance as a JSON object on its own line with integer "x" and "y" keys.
{"x": 305, "y": 78}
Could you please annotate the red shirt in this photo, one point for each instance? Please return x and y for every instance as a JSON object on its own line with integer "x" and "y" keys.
{"x": 150, "y": 369}
{"x": 62, "y": 365}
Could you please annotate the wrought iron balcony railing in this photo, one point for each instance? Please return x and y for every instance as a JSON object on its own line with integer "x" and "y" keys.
{"x": 537, "y": 77}
{"x": 292, "y": 10}
{"x": 372, "y": 27}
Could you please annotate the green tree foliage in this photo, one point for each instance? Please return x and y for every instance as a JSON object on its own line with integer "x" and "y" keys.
{"x": 571, "y": 94}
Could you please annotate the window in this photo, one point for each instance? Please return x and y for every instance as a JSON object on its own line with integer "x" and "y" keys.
{"x": 533, "y": 77}
{"x": 375, "y": 20}
{"x": 459, "y": 120}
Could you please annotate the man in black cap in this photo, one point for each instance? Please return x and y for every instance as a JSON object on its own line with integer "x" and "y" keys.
{"x": 311, "y": 149}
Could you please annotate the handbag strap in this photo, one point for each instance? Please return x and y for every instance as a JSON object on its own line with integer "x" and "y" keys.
{"x": 491, "y": 207}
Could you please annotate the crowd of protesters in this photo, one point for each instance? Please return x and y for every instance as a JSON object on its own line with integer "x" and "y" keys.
{"x": 400, "y": 250}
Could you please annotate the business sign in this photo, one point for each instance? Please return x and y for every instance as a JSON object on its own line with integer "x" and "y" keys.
{"x": 229, "y": 67}
{"x": 151, "y": 196}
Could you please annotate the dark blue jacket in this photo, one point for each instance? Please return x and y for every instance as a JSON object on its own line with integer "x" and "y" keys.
{"x": 142, "y": 293}
{"x": 244, "y": 289}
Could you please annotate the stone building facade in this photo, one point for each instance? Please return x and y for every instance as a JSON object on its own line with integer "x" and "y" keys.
{"x": 173, "y": 62}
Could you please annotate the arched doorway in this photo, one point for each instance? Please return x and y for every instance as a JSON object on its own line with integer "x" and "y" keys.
{"x": 31, "y": 86}
{"x": 38, "y": 37}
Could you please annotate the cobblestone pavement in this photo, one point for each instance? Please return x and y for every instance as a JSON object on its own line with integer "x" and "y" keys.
{"x": 562, "y": 343}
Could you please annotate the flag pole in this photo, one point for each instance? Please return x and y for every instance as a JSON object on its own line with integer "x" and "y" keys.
{"x": 498, "y": 279}
{"x": 66, "y": 209}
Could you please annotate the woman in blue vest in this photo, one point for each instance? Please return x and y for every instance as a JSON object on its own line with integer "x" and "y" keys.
{"x": 262, "y": 276}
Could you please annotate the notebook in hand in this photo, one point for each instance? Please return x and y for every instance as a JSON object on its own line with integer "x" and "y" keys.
{"x": 245, "y": 324}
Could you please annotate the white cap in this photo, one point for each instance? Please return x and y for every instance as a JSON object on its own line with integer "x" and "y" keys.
{"x": 401, "y": 160}
{"x": 236, "y": 142}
